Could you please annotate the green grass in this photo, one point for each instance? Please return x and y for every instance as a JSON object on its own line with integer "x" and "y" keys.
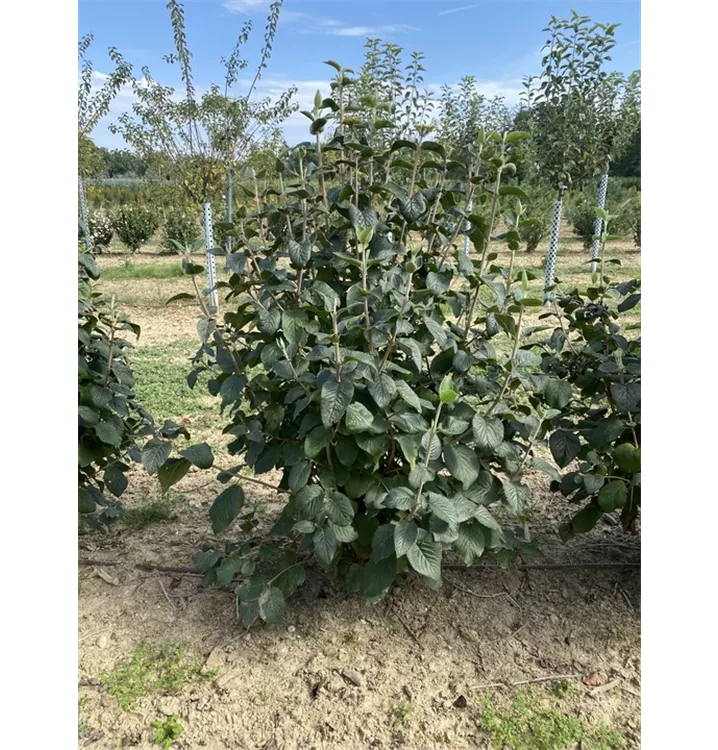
{"x": 144, "y": 271}
{"x": 152, "y": 670}
{"x": 161, "y": 381}
{"x": 155, "y": 511}
{"x": 529, "y": 719}
{"x": 401, "y": 713}
{"x": 167, "y": 731}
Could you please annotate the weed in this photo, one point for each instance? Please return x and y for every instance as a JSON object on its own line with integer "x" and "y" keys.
{"x": 167, "y": 731}
{"x": 152, "y": 670}
{"x": 155, "y": 511}
{"x": 562, "y": 688}
{"x": 524, "y": 721}
{"x": 402, "y": 712}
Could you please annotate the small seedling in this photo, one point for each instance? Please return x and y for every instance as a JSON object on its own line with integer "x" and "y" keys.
{"x": 402, "y": 712}
{"x": 167, "y": 731}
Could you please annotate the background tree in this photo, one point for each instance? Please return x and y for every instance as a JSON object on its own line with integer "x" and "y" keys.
{"x": 565, "y": 102}
{"x": 92, "y": 105}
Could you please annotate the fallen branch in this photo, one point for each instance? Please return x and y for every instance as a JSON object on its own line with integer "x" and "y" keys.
{"x": 548, "y": 678}
{"x": 99, "y": 562}
{"x": 546, "y": 566}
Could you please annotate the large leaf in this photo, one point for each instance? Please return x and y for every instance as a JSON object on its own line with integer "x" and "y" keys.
{"x": 358, "y": 418}
{"x": 199, "y": 455}
{"x": 425, "y": 556}
{"x": 405, "y": 533}
{"x": 442, "y": 507}
{"x": 226, "y": 508}
{"x": 470, "y": 543}
{"x": 325, "y": 545}
{"x": 564, "y": 447}
{"x": 338, "y": 507}
{"x": 155, "y": 453}
{"x": 558, "y": 393}
{"x": 335, "y": 399}
{"x": 172, "y": 471}
{"x": 462, "y": 463}
{"x": 488, "y": 432}
{"x": 382, "y": 544}
{"x": 271, "y": 605}
{"x": 612, "y": 496}
{"x": 382, "y": 390}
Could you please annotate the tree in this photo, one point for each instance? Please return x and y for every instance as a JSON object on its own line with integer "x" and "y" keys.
{"x": 567, "y": 102}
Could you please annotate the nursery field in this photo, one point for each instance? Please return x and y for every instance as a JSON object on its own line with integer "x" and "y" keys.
{"x": 527, "y": 657}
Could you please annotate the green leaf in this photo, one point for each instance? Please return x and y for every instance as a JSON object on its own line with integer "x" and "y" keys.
{"x": 309, "y": 501}
{"x": 382, "y": 390}
{"x": 199, "y": 455}
{"x": 626, "y": 396}
{"x": 206, "y": 559}
{"x": 515, "y": 495}
{"x": 335, "y": 399}
{"x": 382, "y": 543}
{"x": 299, "y": 253}
{"x": 358, "y": 418}
{"x": 462, "y": 463}
{"x": 316, "y": 441}
{"x": 271, "y": 605}
{"x": 293, "y": 323}
{"x": 442, "y": 507}
{"x": 226, "y": 508}
{"x": 484, "y": 517}
{"x": 110, "y": 433}
{"x": 346, "y": 449}
{"x": 290, "y": 579}
{"x": 558, "y": 393}
{"x": 405, "y": 533}
{"x": 630, "y": 302}
{"x": 408, "y": 395}
{"x": 249, "y": 612}
{"x": 401, "y": 498}
{"x": 155, "y": 453}
{"x": 115, "y": 480}
{"x": 228, "y": 568}
{"x": 627, "y": 457}
{"x": 299, "y": 475}
{"x": 172, "y": 471}
{"x": 338, "y": 508}
{"x": 325, "y": 545}
{"x": 447, "y": 394}
{"x": 268, "y": 321}
{"x": 514, "y": 190}
{"x": 564, "y": 447}
{"x": 488, "y": 432}
{"x": 425, "y": 556}
{"x": 376, "y": 578}
{"x": 471, "y": 542}
{"x": 585, "y": 520}
{"x": 612, "y": 496}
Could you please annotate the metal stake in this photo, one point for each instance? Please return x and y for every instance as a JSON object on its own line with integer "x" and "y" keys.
{"x": 212, "y": 295}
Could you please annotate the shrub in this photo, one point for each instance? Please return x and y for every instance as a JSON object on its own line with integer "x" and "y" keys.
{"x": 582, "y": 216}
{"x": 110, "y": 421}
{"x": 101, "y": 230}
{"x": 536, "y": 220}
{"x": 365, "y": 372}
{"x": 181, "y": 226}
{"x": 135, "y": 225}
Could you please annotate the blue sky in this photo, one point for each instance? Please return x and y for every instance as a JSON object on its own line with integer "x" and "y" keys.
{"x": 499, "y": 42}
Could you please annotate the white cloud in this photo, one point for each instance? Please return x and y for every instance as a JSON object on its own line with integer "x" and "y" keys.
{"x": 308, "y": 24}
{"x": 458, "y": 10}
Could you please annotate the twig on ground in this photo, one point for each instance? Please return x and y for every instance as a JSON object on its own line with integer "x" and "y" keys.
{"x": 187, "y": 571}
{"x": 103, "y": 563}
{"x": 483, "y": 596}
{"x": 85, "y": 636}
{"x": 395, "y": 611}
{"x": 605, "y": 687}
{"x": 548, "y": 678}
{"x": 106, "y": 577}
{"x": 167, "y": 596}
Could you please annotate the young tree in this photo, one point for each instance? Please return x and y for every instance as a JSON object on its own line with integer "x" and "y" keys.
{"x": 92, "y": 105}
{"x": 565, "y": 101}
{"x": 203, "y": 137}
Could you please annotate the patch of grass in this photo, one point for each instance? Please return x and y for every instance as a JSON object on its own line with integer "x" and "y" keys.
{"x": 523, "y": 720}
{"x": 131, "y": 270}
{"x": 154, "y": 511}
{"x": 167, "y": 731}
{"x": 161, "y": 381}
{"x": 152, "y": 670}
{"x": 402, "y": 712}
{"x": 562, "y": 688}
